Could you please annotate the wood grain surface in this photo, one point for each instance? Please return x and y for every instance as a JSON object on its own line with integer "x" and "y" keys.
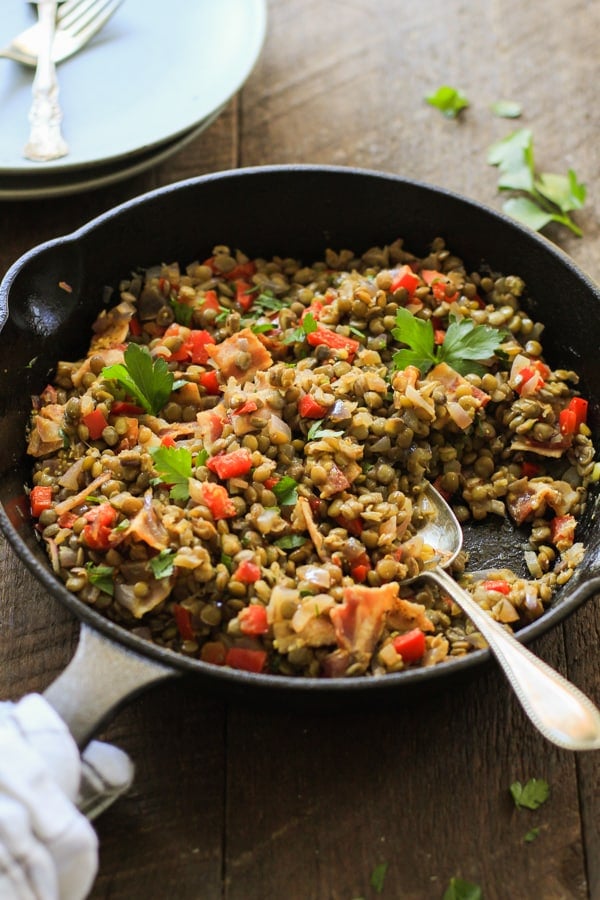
{"x": 246, "y": 804}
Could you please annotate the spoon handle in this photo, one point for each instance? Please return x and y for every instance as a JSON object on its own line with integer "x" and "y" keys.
{"x": 563, "y": 714}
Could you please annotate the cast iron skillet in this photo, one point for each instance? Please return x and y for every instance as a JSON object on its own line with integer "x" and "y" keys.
{"x": 290, "y": 211}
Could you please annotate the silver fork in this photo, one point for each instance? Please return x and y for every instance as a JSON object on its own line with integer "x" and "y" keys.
{"x": 77, "y": 21}
{"x": 45, "y": 137}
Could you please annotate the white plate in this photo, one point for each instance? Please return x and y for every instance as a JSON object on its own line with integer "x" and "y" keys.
{"x": 155, "y": 71}
{"x": 61, "y": 184}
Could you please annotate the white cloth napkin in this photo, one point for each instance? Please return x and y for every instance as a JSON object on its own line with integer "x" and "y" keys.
{"x": 48, "y": 848}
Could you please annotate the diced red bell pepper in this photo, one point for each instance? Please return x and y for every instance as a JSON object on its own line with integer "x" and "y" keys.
{"x": 198, "y": 340}
{"x": 248, "y": 660}
{"x": 244, "y": 294}
{"x": 95, "y": 423}
{"x": 310, "y": 409}
{"x": 438, "y": 282}
{"x": 40, "y": 499}
{"x": 183, "y": 620}
{"x": 405, "y": 278}
{"x": 496, "y": 584}
{"x": 218, "y": 501}
{"x": 315, "y": 309}
{"x": 253, "y": 620}
{"x": 360, "y": 568}
{"x": 567, "y": 422}
{"x": 100, "y": 522}
{"x": 210, "y": 301}
{"x": 124, "y": 408}
{"x": 167, "y": 440}
{"x": 135, "y": 327}
{"x": 410, "y": 645}
{"x": 334, "y": 340}
{"x": 352, "y": 526}
{"x": 579, "y": 406}
{"x": 562, "y": 531}
{"x": 247, "y": 572}
{"x": 210, "y": 382}
{"x": 231, "y": 465}
{"x": 249, "y": 406}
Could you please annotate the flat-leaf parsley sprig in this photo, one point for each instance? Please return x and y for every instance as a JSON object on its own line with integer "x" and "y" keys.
{"x": 147, "y": 380}
{"x": 542, "y": 198}
{"x": 465, "y": 344}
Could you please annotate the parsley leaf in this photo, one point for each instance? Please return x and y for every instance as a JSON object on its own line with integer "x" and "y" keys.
{"x": 448, "y": 100}
{"x": 531, "y": 835}
{"x": 530, "y": 795}
{"x": 315, "y": 431}
{"x": 285, "y": 491}
{"x": 183, "y": 312}
{"x": 464, "y": 343}
{"x": 148, "y": 381}
{"x": 309, "y": 324}
{"x": 459, "y": 889}
{"x": 162, "y": 564}
{"x": 506, "y": 109}
{"x": 290, "y": 541}
{"x": 101, "y": 577}
{"x": 174, "y": 466}
{"x": 378, "y": 877}
{"x": 543, "y": 198}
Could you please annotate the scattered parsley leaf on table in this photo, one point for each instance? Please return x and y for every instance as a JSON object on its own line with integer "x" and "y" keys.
{"x": 530, "y": 795}
{"x": 464, "y": 343}
{"x": 450, "y": 101}
{"x": 145, "y": 379}
{"x": 545, "y": 197}
{"x": 459, "y": 889}
{"x": 506, "y": 109}
{"x": 378, "y": 877}
{"x": 531, "y": 835}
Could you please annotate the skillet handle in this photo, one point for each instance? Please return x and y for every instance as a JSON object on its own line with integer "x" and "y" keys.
{"x": 101, "y": 676}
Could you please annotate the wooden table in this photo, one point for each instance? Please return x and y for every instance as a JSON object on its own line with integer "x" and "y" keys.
{"x": 245, "y": 804}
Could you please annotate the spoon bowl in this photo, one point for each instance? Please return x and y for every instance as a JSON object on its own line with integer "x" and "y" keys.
{"x": 560, "y": 711}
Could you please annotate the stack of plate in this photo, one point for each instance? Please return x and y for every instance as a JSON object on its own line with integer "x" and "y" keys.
{"x": 157, "y": 74}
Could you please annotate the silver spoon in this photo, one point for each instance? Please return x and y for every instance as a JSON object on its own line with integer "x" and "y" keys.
{"x": 563, "y": 714}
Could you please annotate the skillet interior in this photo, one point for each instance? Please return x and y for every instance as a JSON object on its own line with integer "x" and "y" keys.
{"x": 291, "y": 211}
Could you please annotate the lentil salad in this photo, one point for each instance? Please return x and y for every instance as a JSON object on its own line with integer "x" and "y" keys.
{"x": 235, "y": 469}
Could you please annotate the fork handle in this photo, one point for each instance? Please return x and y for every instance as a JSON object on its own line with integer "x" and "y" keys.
{"x": 45, "y": 138}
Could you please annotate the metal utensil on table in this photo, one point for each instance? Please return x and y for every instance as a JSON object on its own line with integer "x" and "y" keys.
{"x": 45, "y": 115}
{"x": 561, "y": 712}
{"x": 77, "y": 21}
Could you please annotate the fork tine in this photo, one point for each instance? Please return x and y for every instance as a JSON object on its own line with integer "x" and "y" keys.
{"x": 64, "y": 9}
{"x": 87, "y": 16}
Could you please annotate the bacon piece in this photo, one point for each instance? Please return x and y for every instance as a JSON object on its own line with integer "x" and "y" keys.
{"x": 407, "y": 615}
{"x": 228, "y": 354}
{"x": 528, "y": 498}
{"x": 147, "y": 527}
{"x": 359, "y": 620}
